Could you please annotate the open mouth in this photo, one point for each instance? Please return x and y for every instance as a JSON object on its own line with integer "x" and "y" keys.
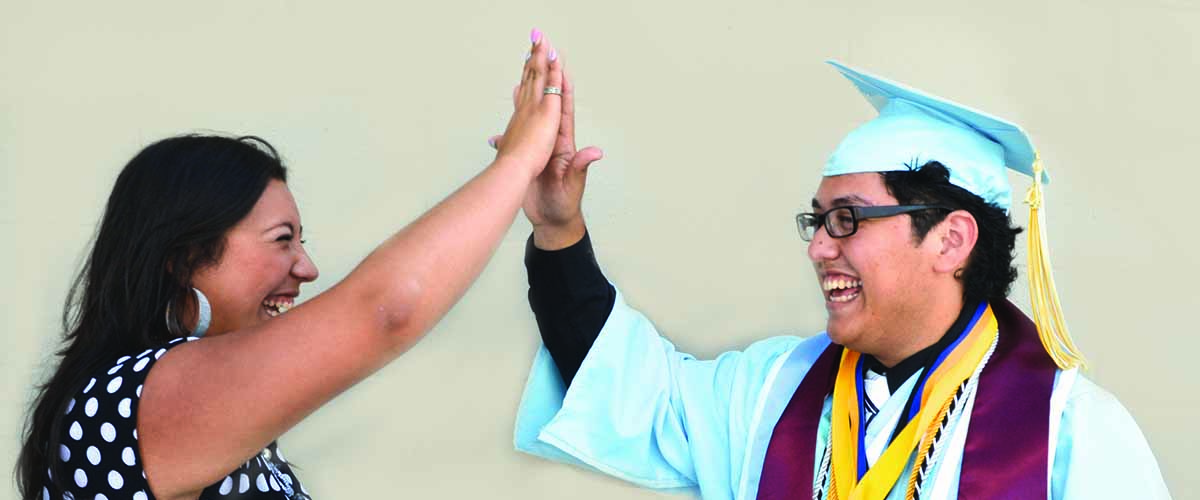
{"x": 841, "y": 289}
{"x": 278, "y": 305}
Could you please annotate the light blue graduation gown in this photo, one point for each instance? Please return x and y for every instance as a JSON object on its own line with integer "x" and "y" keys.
{"x": 642, "y": 411}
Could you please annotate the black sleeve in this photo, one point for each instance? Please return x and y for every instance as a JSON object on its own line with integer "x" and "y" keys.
{"x": 571, "y": 299}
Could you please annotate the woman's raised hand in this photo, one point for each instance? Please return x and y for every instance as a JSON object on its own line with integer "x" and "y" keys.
{"x": 531, "y": 132}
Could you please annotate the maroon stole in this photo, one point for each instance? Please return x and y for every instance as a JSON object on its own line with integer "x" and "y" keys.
{"x": 1005, "y": 455}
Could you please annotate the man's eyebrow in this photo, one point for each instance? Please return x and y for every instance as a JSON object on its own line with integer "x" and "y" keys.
{"x": 843, "y": 201}
{"x": 851, "y": 199}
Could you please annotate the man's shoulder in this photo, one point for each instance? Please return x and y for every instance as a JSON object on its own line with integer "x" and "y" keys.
{"x": 1101, "y": 451}
{"x": 767, "y": 355}
{"x": 1084, "y": 391}
{"x": 784, "y": 344}
{"x": 1088, "y": 405}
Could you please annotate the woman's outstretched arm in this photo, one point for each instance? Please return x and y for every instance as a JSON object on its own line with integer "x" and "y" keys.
{"x": 209, "y": 405}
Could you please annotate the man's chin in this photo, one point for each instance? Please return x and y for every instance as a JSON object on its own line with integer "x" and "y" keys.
{"x": 840, "y": 333}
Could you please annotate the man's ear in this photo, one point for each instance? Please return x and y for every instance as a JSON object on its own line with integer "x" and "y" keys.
{"x": 956, "y": 238}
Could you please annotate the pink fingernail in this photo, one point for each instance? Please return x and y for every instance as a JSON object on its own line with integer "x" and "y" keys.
{"x": 535, "y": 36}
{"x": 553, "y": 54}
{"x": 492, "y": 142}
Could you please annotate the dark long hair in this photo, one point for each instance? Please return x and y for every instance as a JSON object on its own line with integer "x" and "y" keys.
{"x": 167, "y": 217}
{"x": 989, "y": 273}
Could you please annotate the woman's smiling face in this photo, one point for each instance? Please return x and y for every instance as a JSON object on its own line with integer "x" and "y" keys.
{"x": 261, "y": 267}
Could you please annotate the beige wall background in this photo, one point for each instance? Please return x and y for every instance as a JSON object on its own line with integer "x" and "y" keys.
{"x": 716, "y": 118}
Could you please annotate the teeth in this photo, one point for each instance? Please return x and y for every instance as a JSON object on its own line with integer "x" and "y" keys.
{"x": 276, "y": 307}
{"x": 844, "y": 298}
{"x": 840, "y": 284}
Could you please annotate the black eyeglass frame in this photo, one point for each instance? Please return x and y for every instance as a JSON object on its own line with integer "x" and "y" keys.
{"x": 815, "y": 220}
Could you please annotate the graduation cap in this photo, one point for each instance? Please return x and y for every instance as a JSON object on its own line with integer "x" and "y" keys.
{"x": 914, "y": 128}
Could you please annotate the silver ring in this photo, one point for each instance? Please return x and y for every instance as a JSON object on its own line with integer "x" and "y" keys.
{"x": 552, "y": 90}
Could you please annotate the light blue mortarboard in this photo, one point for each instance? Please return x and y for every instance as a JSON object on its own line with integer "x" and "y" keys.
{"x": 914, "y": 127}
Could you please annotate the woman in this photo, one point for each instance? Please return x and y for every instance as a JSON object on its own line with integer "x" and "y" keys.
{"x": 201, "y": 235}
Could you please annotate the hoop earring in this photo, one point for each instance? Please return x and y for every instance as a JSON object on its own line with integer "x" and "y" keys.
{"x": 203, "y": 316}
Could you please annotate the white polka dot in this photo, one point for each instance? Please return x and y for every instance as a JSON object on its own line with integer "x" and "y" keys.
{"x": 141, "y": 364}
{"x": 70, "y": 406}
{"x": 123, "y": 407}
{"x": 128, "y": 457}
{"x": 123, "y": 359}
{"x": 115, "y": 480}
{"x": 144, "y": 353}
{"x": 226, "y": 485}
{"x": 90, "y": 407}
{"x": 139, "y": 391}
{"x": 261, "y": 482}
{"x": 114, "y": 385}
{"x": 243, "y": 483}
{"x": 274, "y": 483}
{"x": 45, "y": 494}
{"x": 80, "y": 478}
{"x": 108, "y": 432}
{"x": 135, "y": 434}
{"x": 159, "y": 353}
{"x": 64, "y": 452}
{"x": 76, "y": 431}
{"x": 101, "y": 496}
{"x": 68, "y": 496}
{"x": 115, "y": 369}
{"x": 141, "y": 495}
{"x": 175, "y": 341}
{"x": 93, "y": 454}
{"x": 89, "y": 386}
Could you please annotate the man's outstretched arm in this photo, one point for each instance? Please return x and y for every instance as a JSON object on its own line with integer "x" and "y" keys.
{"x": 571, "y": 299}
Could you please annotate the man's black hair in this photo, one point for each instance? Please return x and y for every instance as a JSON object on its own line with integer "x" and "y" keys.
{"x": 989, "y": 273}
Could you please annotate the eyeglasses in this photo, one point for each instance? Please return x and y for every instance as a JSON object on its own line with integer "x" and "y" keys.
{"x": 841, "y": 222}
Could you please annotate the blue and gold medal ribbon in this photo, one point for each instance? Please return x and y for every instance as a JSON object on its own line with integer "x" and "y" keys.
{"x": 919, "y": 390}
{"x": 851, "y": 479}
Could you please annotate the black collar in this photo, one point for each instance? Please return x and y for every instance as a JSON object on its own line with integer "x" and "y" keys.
{"x": 897, "y": 375}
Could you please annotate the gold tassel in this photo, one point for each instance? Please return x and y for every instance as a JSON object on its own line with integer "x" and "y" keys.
{"x": 1047, "y": 313}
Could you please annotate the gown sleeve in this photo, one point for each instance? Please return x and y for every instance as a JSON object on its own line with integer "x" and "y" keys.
{"x": 641, "y": 411}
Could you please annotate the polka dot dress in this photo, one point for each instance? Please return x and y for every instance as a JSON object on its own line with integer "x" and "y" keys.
{"x": 100, "y": 454}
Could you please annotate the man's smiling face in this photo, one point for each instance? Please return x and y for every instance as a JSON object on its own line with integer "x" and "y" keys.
{"x": 873, "y": 280}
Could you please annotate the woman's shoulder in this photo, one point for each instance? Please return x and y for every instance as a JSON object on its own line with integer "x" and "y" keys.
{"x": 99, "y": 452}
{"x": 121, "y": 381}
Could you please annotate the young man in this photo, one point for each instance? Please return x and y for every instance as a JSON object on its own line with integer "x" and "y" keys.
{"x": 927, "y": 382}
